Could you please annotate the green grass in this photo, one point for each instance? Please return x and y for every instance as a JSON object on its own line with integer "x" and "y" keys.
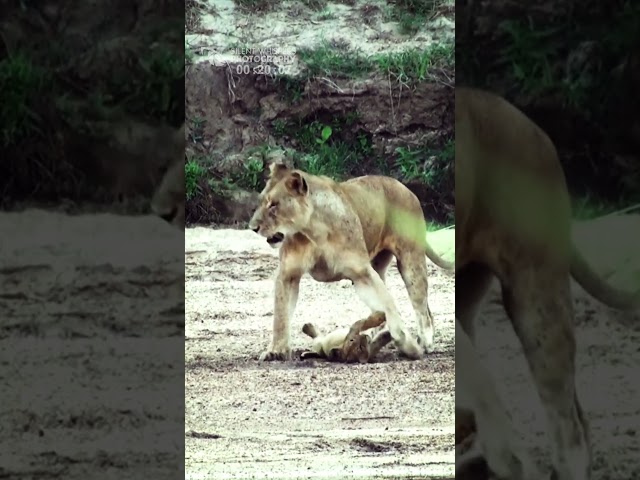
{"x": 189, "y": 54}
{"x": 256, "y": 6}
{"x": 326, "y": 14}
{"x": 251, "y": 176}
{"x": 265, "y": 6}
{"x": 316, "y": 5}
{"x": 425, "y": 164}
{"x": 327, "y": 60}
{"x": 20, "y": 83}
{"x": 588, "y": 208}
{"x": 193, "y": 172}
{"x": 161, "y": 68}
{"x": 412, "y": 15}
{"x": 410, "y": 66}
{"x": 326, "y": 148}
{"x": 413, "y": 66}
{"x": 291, "y": 88}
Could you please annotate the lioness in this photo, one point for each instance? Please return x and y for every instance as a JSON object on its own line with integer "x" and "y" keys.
{"x": 168, "y": 201}
{"x": 513, "y": 221}
{"x": 360, "y": 348}
{"x": 348, "y": 230}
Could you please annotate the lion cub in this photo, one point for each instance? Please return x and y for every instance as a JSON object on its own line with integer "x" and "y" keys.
{"x": 360, "y": 347}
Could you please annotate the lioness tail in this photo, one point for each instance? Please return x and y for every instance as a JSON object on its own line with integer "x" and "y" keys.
{"x": 437, "y": 259}
{"x": 598, "y": 288}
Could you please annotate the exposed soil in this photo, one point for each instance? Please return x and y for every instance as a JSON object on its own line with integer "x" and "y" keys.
{"x": 234, "y": 106}
{"x": 91, "y": 341}
{"x": 305, "y": 419}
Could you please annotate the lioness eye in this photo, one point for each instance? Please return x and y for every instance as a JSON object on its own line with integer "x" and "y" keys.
{"x": 273, "y": 205}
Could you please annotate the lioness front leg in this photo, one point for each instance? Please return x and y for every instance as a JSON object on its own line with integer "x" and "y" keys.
{"x": 373, "y": 292}
{"x": 286, "y": 297}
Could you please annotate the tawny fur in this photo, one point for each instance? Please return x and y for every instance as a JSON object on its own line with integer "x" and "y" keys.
{"x": 360, "y": 347}
{"x": 168, "y": 201}
{"x": 513, "y": 222}
{"x": 348, "y": 230}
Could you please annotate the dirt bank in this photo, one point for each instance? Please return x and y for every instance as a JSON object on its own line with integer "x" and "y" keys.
{"x": 388, "y": 101}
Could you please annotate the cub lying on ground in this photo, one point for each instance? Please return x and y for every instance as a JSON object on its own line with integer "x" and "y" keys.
{"x": 346, "y": 230}
{"x": 361, "y": 347}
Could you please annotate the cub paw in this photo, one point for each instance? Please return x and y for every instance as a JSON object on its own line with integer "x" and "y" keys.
{"x": 273, "y": 356}
{"x": 308, "y": 354}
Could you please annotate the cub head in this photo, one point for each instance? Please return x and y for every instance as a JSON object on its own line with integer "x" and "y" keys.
{"x": 356, "y": 349}
{"x": 284, "y": 207}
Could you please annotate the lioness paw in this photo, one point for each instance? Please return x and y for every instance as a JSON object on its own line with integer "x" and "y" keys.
{"x": 272, "y": 356}
{"x": 426, "y": 344}
{"x": 410, "y": 349}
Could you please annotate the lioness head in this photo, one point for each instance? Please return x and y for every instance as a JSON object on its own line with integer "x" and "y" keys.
{"x": 356, "y": 349}
{"x": 284, "y": 207}
{"x": 168, "y": 201}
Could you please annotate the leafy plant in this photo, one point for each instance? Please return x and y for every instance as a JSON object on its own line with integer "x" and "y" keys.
{"x": 324, "y": 135}
{"x": 20, "y": 82}
{"x": 193, "y": 172}
{"x": 252, "y": 174}
{"x": 530, "y": 51}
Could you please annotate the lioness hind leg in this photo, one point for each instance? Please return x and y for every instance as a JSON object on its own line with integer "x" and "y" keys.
{"x": 373, "y": 292}
{"x": 412, "y": 265}
{"x": 538, "y": 302}
{"x": 472, "y": 283}
{"x": 380, "y": 263}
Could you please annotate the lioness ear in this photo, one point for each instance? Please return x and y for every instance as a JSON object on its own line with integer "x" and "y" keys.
{"x": 277, "y": 170}
{"x": 297, "y": 184}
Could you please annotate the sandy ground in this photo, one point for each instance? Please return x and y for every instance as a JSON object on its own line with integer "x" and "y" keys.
{"x": 91, "y": 347}
{"x": 305, "y": 419}
{"x": 90, "y": 334}
{"x": 392, "y": 419}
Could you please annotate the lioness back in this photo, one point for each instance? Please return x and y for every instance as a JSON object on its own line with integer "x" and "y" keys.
{"x": 385, "y": 208}
{"x": 507, "y": 174}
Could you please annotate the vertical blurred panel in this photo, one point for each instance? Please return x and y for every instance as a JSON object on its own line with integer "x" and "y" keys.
{"x": 91, "y": 281}
{"x": 547, "y": 228}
